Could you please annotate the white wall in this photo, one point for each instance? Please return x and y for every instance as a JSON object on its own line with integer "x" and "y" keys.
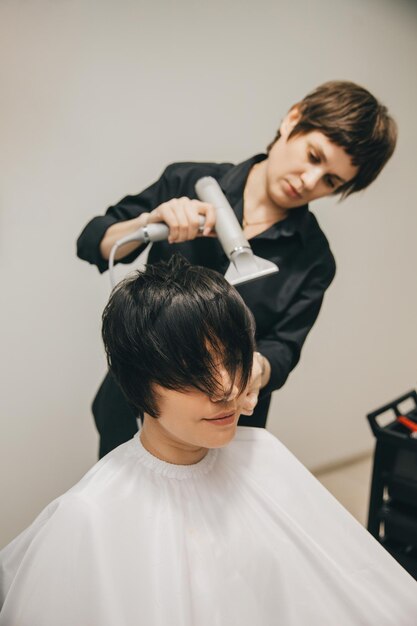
{"x": 96, "y": 98}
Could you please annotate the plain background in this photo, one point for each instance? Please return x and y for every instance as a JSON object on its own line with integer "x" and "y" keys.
{"x": 97, "y": 97}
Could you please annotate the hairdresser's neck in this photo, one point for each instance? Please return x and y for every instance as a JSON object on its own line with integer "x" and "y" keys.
{"x": 162, "y": 444}
{"x": 258, "y": 206}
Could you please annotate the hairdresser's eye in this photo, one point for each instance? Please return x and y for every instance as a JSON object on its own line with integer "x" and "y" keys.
{"x": 329, "y": 182}
{"x": 313, "y": 158}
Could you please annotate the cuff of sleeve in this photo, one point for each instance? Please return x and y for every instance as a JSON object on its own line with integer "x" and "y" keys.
{"x": 88, "y": 244}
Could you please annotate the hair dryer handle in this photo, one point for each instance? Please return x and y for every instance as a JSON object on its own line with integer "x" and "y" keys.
{"x": 228, "y": 229}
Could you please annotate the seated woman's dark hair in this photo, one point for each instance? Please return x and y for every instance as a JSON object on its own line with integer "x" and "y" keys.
{"x": 172, "y": 325}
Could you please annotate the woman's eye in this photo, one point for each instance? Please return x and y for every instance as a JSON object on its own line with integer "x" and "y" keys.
{"x": 313, "y": 158}
{"x": 330, "y": 182}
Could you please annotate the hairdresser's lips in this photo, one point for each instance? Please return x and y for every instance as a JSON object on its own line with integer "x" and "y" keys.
{"x": 222, "y": 419}
{"x": 290, "y": 190}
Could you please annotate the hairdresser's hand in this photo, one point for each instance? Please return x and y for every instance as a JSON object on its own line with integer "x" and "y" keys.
{"x": 261, "y": 371}
{"x": 182, "y": 217}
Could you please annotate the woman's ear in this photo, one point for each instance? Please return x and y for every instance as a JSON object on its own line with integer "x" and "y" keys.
{"x": 290, "y": 121}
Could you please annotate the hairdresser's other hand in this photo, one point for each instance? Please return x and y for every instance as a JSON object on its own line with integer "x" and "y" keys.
{"x": 255, "y": 384}
{"x": 182, "y": 217}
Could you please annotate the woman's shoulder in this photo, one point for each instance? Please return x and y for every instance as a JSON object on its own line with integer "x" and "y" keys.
{"x": 185, "y": 171}
{"x": 257, "y": 445}
{"x": 263, "y": 456}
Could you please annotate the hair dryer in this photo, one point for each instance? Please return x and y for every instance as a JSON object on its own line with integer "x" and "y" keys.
{"x": 244, "y": 266}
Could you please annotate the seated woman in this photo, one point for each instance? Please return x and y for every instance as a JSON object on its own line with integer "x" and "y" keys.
{"x": 195, "y": 522}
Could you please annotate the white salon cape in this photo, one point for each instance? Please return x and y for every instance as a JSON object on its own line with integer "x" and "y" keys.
{"x": 246, "y": 537}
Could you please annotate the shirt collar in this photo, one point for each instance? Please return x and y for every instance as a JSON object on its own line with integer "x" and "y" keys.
{"x": 233, "y": 184}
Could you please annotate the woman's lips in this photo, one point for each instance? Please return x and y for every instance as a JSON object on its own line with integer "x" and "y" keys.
{"x": 222, "y": 418}
{"x": 290, "y": 190}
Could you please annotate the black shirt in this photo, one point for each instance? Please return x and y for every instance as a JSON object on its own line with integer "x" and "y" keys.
{"x": 285, "y": 304}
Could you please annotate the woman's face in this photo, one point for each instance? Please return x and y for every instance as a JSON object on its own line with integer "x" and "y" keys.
{"x": 190, "y": 419}
{"x": 305, "y": 167}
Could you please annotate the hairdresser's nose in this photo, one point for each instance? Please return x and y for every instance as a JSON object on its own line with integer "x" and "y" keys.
{"x": 311, "y": 177}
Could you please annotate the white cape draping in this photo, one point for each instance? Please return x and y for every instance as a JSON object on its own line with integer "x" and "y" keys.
{"x": 246, "y": 537}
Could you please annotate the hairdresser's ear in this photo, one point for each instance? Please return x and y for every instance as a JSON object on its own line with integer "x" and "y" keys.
{"x": 290, "y": 121}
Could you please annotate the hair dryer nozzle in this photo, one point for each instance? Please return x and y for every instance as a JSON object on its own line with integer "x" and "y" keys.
{"x": 246, "y": 267}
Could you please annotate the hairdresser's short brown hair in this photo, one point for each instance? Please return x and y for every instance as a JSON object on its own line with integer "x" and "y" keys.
{"x": 353, "y": 119}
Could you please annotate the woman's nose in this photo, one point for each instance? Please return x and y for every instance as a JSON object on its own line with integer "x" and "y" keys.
{"x": 310, "y": 178}
{"x": 232, "y": 393}
{"x": 231, "y": 390}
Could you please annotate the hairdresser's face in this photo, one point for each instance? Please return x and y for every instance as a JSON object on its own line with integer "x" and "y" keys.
{"x": 305, "y": 167}
{"x": 192, "y": 418}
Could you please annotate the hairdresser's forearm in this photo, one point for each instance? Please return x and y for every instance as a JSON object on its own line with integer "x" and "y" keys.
{"x": 119, "y": 230}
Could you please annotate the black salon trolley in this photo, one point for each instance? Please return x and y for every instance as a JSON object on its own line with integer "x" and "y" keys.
{"x": 393, "y": 499}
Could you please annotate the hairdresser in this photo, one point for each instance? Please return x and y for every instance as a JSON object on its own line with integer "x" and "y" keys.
{"x": 335, "y": 141}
